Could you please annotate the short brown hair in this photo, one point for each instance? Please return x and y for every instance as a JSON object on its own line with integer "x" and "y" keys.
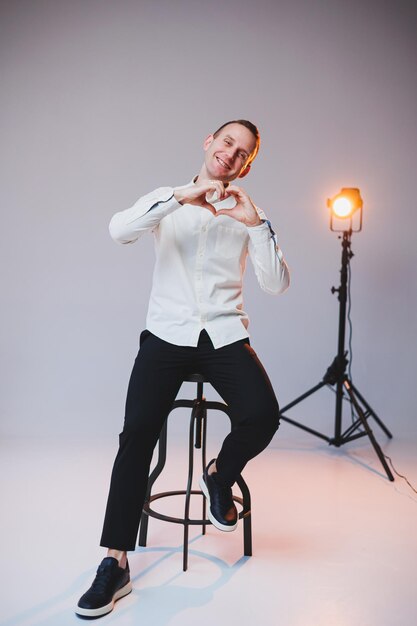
{"x": 253, "y": 129}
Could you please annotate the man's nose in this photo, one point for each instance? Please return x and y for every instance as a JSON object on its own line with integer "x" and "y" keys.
{"x": 231, "y": 154}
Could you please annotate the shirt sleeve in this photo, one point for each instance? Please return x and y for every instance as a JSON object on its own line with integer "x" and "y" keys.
{"x": 268, "y": 261}
{"x": 128, "y": 225}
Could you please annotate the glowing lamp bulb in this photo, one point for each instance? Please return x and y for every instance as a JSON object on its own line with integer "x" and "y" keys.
{"x": 342, "y": 207}
{"x": 346, "y": 210}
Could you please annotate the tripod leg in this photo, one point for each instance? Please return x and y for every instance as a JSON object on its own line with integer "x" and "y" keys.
{"x": 303, "y": 396}
{"x": 297, "y": 401}
{"x": 372, "y": 412}
{"x": 348, "y": 386}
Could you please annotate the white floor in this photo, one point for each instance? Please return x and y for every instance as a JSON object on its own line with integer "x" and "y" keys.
{"x": 334, "y": 541}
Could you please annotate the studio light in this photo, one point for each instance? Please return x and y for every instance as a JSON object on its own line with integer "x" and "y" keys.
{"x": 345, "y": 217}
{"x": 346, "y": 210}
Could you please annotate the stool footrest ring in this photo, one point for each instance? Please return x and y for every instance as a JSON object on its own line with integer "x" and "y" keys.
{"x": 181, "y": 520}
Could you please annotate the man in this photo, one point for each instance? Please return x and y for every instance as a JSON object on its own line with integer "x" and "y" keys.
{"x": 203, "y": 232}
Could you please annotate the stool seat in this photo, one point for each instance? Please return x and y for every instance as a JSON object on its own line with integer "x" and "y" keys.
{"x": 197, "y": 439}
{"x": 195, "y": 378}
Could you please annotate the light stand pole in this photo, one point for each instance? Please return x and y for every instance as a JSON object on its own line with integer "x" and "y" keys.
{"x": 345, "y": 389}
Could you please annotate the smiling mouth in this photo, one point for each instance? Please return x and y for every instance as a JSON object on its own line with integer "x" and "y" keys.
{"x": 222, "y": 163}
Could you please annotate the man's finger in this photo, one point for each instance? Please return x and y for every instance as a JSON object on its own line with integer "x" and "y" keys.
{"x": 235, "y": 191}
{"x": 217, "y": 186}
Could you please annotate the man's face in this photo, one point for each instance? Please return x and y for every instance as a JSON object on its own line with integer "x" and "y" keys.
{"x": 227, "y": 154}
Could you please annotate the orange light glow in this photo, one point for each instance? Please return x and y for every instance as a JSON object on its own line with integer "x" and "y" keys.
{"x": 342, "y": 207}
{"x": 346, "y": 210}
{"x": 344, "y": 204}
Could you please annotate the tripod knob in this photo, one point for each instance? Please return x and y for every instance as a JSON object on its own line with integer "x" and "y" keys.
{"x": 334, "y": 289}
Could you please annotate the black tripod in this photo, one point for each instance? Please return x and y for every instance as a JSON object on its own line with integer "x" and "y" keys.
{"x": 336, "y": 375}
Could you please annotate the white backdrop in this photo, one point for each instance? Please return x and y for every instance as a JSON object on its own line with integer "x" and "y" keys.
{"x": 103, "y": 101}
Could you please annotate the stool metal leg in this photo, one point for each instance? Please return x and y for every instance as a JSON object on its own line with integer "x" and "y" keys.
{"x": 197, "y": 411}
{"x": 189, "y": 486}
{"x": 247, "y": 517}
{"x": 162, "y": 456}
{"x": 196, "y": 439}
{"x": 246, "y": 513}
{"x": 200, "y": 416}
{"x": 204, "y": 465}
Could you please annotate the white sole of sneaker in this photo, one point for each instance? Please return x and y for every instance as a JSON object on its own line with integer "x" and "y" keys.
{"x": 216, "y": 523}
{"x": 102, "y": 610}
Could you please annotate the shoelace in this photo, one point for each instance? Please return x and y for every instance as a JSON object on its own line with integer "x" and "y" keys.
{"x": 224, "y": 495}
{"x": 101, "y": 580}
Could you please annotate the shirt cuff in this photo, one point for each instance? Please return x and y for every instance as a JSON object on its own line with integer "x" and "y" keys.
{"x": 259, "y": 234}
{"x": 262, "y": 234}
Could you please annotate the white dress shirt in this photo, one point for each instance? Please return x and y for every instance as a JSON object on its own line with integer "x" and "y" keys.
{"x": 200, "y": 262}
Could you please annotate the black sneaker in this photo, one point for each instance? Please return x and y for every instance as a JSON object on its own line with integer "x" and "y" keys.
{"x": 222, "y": 510}
{"x": 111, "y": 583}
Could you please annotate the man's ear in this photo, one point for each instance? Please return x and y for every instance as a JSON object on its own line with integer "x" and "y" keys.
{"x": 244, "y": 172}
{"x": 207, "y": 142}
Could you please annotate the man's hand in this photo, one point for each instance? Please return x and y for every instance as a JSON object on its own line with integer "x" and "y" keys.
{"x": 244, "y": 211}
{"x": 196, "y": 194}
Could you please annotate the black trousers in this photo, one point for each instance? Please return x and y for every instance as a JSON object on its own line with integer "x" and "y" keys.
{"x": 159, "y": 370}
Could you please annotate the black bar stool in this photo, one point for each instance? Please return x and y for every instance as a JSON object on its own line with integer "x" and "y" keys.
{"x": 197, "y": 439}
